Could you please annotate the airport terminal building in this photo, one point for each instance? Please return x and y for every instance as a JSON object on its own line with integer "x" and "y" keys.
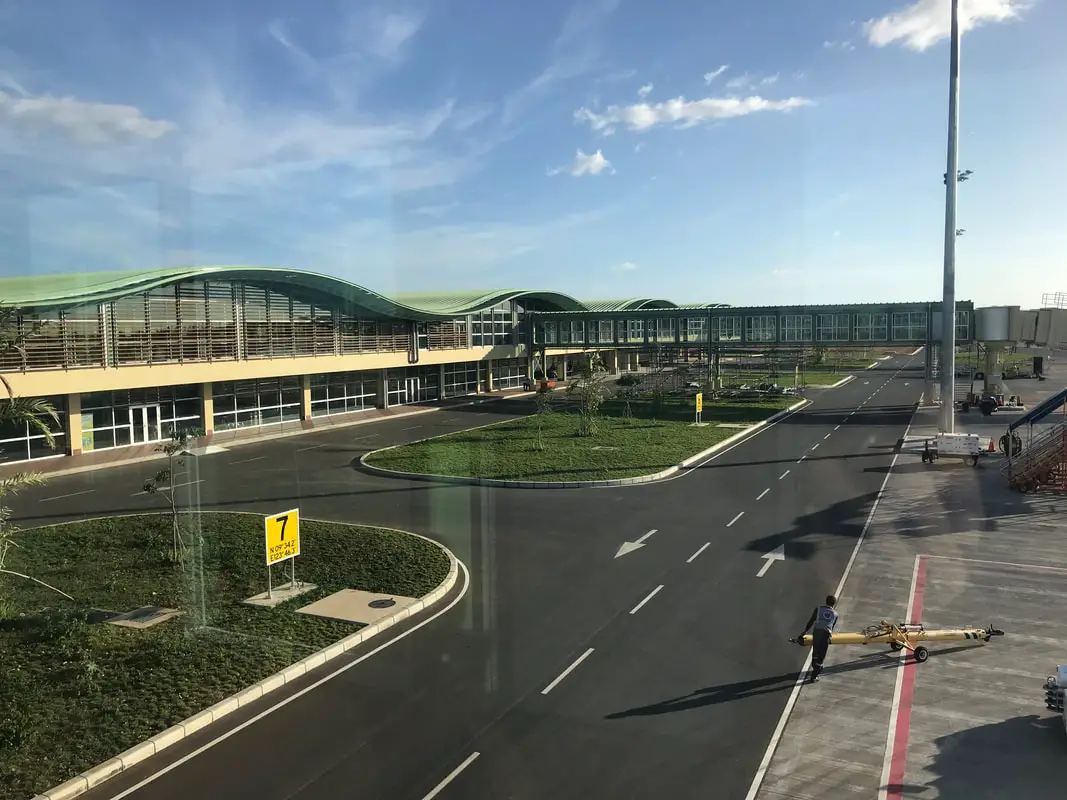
{"x": 125, "y": 357}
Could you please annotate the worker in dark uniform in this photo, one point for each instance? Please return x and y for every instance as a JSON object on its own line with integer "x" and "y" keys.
{"x": 822, "y": 623}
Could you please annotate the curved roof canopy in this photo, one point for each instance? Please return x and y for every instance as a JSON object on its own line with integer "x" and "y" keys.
{"x": 629, "y": 304}
{"x": 57, "y": 291}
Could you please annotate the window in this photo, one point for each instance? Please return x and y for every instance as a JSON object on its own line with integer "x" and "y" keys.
{"x": 871, "y": 327}
{"x": 462, "y": 378}
{"x": 909, "y": 326}
{"x": 664, "y": 330}
{"x": 578, "y": 331}
{"x": 796, "y": 328}
{"x": 963, "y": 325}
{"x": 607, "y": 331}
{"x": 343, "y": 392}
{"x": 832, "y": 328}
{"x": 23, "y": 443}
{"x": 635, "y": 330}
{"x": 411, "y": 385}
{"x": 550, "y": 333}
{"x": 760, "y": 329}
{"x": 492, "y": 327}
{"x": 696, "y": 329}
{"x": 509, "y": 373}
{"x": 253, "y": 403}
{"x": 727, "y": 329}
{"x": 137, "y": 416}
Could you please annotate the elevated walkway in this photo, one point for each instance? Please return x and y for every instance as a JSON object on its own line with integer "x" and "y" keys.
{"x": 1042, "y": 465}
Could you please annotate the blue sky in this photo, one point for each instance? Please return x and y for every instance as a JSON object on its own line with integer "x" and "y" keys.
{"x": 728, "y": 152}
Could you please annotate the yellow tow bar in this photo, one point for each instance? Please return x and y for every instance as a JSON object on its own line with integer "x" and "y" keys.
{"x": 902, "y": 636}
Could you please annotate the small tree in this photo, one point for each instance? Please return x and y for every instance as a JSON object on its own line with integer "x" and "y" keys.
{"x": 628, "y": 393}
{"x": 163, "y": 483}
{"x": 589, "y": 392}
{"x": 543, "y": 400}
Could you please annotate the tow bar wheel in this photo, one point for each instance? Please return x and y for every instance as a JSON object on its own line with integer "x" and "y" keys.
{"x": 921, "y": 654}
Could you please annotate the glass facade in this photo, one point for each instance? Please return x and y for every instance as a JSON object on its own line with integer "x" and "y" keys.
{"x": 461, "y": 379}
{"x": 343, "y": 392}
{"x": 138, "y": 416}
{"x": 256, "y": 403}
{"x": 695, "y": 329}
{"x": 509, "y": 373}
{"x": 760, "y": 329}
{"x": 727, "y": 329}
{"x": 493, "y": 326}
{"x": 23, "y": 443}
{"x": 909, "y": 326}
{"x": 663, "y": 330}
{"x": 796, "y": 328}
{"x": 871, "y": 327}
{"x": 412, "y": 385}
{"x": 831, "y": 328}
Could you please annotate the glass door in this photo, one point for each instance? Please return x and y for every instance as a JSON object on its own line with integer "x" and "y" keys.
{"x": 144, "y": 422}
{"x": 411, "y": 390}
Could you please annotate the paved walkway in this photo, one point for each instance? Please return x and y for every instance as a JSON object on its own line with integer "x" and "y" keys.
{"x": 953, "y": 545}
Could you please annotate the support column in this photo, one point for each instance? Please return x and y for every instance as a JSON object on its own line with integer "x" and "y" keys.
{"x": 441, "y": 382}
{"x": 207, "y": 403}
{"x": 991, "y": 368}
{"x": 74, "y": 424}
{"x": 382, "y": 399}
{"x": 305, "y": 398}
{"x": 489, "y": 375}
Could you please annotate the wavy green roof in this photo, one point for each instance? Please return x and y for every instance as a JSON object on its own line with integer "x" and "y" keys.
{"x": 50, "y": 291}
{"x": 629, "y": 304}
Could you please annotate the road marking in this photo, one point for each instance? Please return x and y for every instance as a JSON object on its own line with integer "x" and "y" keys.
{"x": 451, "y": 776}
{"x": 567, "y": 671}
{"x": 735, "y": 519}
{"x": 415, "y": 428}
{"x": 776, "y": 737}
{"x": 896, "y": 747}
{"x": 763, "y": 494}
{"x": 246, "y": 460}
{"x": 693, "y": 557}
{"x": 815, "y": 446}
{"x": 358, "y": 438}
{"x": 629, "y": 547}
{"x": 802, "y": 458}
{"x": 837, "y": 428}
{"x": 311, "y": 447}
{"x": 282, "y": 703}
{"x": 61, "y": 496}
{"x": 783, "y": 474}
{"x": 777, "y": 554}
{"x": 651, "y": 594}
{"x": 175, "y": 486}
{"x": 827, "y": 436}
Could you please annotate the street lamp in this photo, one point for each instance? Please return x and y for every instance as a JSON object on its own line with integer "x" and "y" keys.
{"x": 948, "y": 300}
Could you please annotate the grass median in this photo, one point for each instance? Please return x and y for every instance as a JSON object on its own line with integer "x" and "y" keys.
{"x": 754, "y": 377}
{"x": 621, "y": 447}
{"x": 75, "y": 692}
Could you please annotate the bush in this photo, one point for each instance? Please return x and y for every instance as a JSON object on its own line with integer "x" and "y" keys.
{"x": 629, "y": 379}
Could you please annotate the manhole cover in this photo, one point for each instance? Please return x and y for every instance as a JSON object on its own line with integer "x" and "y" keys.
{"x": 382, "y": 603}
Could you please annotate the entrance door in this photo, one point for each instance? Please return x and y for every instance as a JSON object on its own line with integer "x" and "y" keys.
{"x": 144, "y": 420}
{"x": 411, "y": 390}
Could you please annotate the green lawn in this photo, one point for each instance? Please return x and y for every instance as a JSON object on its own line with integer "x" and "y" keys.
{"x": 74, "y": 694}
{"x": 621, "y": 448}
{"x": 783, "y": 378}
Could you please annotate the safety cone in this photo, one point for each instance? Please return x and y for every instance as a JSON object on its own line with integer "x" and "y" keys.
{"x": 992, "y": 448}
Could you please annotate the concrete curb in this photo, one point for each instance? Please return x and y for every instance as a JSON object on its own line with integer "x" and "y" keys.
{"x": 841, "y": 382}
{"x": 101, "y": 772}
{"x": 499, "y": 483}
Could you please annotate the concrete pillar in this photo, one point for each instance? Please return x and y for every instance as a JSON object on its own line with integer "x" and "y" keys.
{"x": 306, "y": 398}
{"x": 489, "y": 375}
{"x": 382, "y": 399}
{"x": 207, "y": 404}
{"x": 992, "y": 368}
{"x": 441, "y": 382}
{"x": 74, "y": 424}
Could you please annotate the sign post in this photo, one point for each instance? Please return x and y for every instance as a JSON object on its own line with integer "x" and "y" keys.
{"x": 700, "y": 405}
{"x": 282, "y": 539}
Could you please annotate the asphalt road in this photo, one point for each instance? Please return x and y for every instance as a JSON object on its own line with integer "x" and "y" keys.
{"x": 678, "y": 698}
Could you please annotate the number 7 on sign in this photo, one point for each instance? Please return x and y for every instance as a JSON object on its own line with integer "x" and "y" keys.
{"x": 284, "y": 518}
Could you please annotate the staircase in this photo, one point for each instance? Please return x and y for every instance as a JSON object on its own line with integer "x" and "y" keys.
{"x": 1043, "y": 465}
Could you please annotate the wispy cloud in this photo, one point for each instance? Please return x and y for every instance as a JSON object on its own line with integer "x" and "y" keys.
{"x": 709, "y": 77}
{"x": 682, "y": 112}
{"x": 80, "y": 121}
{"x": 749, "y": 81}
{"x": 833, "y": 44}
{"x": 645, "y": 91}
{"x": 924, "y": 23}
{"x": 625, "y": 266}
{"x": 435, "y": 210}
{"x": 574, "y": 52}
{"x": 584, "y": 164}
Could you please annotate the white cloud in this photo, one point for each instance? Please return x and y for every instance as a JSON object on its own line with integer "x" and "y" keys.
{"x": 585, "y": 165}
{"x": 833, "y": 44}
{"x": 434, "y": 211}
{"x": 639, "y": 147}
{"x": 383, "y": 35}
{"x": 625, "y": 266}
{"x": 749, "y": 81}
{"x": 78, "y": 120}
{"x": 645, "y": 91}
{"x": 924, "y": 23}
{"x": 715, "y": 73}
{"x": 679, "y": 111}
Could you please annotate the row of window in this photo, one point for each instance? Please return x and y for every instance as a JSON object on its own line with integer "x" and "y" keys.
{"x": 903, "y": 326}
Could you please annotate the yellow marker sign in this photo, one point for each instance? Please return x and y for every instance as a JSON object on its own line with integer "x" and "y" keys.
{"x": 283, "y": 536}
{"x": 700, "y": 402}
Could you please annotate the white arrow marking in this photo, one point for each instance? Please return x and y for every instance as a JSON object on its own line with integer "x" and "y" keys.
{"x": 629, "y": 547}
{"x": 777, "y": 554}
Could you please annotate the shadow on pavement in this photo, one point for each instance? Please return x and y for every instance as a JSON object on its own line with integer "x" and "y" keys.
{"x": 729, "y": 692}
{"x": 845, "y": 518}
{"x": 1017, "y": 758}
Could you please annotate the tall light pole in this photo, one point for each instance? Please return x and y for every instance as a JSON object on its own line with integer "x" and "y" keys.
{"x": 948, "y": 304}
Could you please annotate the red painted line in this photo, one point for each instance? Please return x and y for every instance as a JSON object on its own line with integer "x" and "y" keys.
{"x": 895, "y": 788}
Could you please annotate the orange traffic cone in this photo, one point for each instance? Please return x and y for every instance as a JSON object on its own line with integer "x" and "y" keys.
{"x": 992, "y": 448}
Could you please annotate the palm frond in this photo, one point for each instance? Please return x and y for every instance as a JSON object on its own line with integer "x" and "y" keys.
{"x": 13, "y": 484}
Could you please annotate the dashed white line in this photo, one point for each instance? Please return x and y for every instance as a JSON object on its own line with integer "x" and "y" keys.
{"x": 827, "y": 436}
{"x": 763, "y": 494}
{"x": 650, "y": 595}
{"x": 802, "y": 458}
{"x": 412, "y": 428}
{"x": 567, "y": 671}
{"x": 175, "y": 486}
{"x": 451, "y": 776}
{"x": 246, "y": 460}
{"x": 815, "y": 446}
{"x": 837, "y": 428}
{"x": 693, "y": 557}
{"x": 62, "y": 496}
{"x": 735, "y": 519}
{"x": 311, "y": 447}
{"x": 783, "y": 474}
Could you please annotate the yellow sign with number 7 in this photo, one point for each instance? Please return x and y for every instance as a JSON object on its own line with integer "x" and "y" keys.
{"x": 283, "y": 536}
